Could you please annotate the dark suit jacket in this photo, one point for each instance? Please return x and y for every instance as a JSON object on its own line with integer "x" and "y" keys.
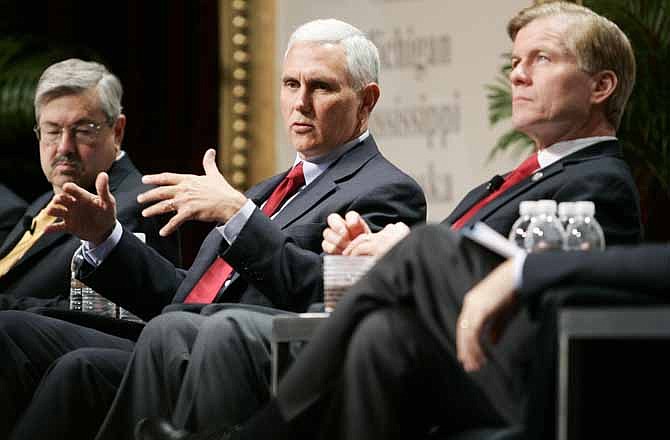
{"x": 278, "y": 262}
{"x": 12, "y": 208}
{"x": 644, "y": 269}
{"x": 42, "y": 276}
{"x": 597, "y": 173}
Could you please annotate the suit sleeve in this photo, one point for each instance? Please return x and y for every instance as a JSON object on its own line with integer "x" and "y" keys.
{"x": 286, "y": 265}
{"x": 130, "y": 216}
{"x": 135, "y": 276}
{"x": 642, "y": 269}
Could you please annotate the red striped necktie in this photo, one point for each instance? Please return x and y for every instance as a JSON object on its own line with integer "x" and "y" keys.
{"x": 210, "y": 283}
{"x": 524, "y": 170}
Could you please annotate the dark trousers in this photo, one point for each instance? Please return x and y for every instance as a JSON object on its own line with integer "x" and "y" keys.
{"x": 384, "y": 364}
{"x": 196, "y": 370}
{"x": 40, "y": 397}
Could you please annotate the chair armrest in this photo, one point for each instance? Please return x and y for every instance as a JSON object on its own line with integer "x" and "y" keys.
{"x": 287, "y": 329}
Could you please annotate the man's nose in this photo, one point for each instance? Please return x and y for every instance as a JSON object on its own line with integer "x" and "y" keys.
{"x": 519, "y": 75}
{"x": 303, "y": 101}
{"x": 67, "y": 142}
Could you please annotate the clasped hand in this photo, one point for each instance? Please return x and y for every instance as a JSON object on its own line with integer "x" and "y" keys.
{"x": 352, "y": 236}
{"x": 208, "y": 198}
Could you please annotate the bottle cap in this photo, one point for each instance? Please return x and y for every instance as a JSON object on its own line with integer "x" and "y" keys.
{"x": 586, "y": 209}
{"x": 526, "y": 207}
{"x": 566, "y": 209}
{"x": 547, "y": 207}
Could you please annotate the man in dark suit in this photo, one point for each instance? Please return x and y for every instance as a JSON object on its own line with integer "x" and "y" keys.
{"x": 387, "y": 363}
{"x": 12, "y": 208}
{"x": 272, "y": 246}
{"x": 80, "y": 129}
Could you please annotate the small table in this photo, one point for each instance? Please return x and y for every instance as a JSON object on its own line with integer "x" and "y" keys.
{"x": 599, "y": 323}
{"x": 287, "y": 329}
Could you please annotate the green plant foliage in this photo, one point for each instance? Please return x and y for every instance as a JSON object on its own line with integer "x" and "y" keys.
{"x": 22, "y": 60}
{"x": 645, "y": 128}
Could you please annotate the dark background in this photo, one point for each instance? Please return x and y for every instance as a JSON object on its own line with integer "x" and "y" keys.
{"x": 166, "y": 54}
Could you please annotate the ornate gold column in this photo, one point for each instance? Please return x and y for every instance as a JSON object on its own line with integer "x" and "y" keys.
{"x": 247, "y": 90}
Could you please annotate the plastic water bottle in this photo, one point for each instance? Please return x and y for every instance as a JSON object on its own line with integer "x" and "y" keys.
{"x": 566, "y": 213}
{"x": 584, "y": 233}
{"x": 544, "y": 231}
{"x": 93, "y": 302}
{"x": 517, "y": 234}
{"x": 75, "y": 284}
{"x": 85, "y": 299}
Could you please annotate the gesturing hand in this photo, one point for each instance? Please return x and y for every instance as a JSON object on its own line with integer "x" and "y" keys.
{"x": 208, "y": 198}
{"x": 88, "y": 216}
{"x": 489, "y": 305}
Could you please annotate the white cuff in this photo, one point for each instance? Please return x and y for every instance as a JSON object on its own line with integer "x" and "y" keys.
{"x": 236, "y": 223}
{"x": 96, "y": 255}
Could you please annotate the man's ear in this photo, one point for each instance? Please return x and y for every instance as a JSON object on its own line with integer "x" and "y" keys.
{"x": 604, "y": 84}
{"x": 369, "y": 97}
{"x": 119, "y": 129}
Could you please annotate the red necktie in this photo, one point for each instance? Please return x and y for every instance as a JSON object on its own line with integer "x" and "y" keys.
{"x": 521, "y": 172}
{"x": 209, "y": 285}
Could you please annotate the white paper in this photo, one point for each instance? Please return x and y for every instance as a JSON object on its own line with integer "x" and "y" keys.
{"x": 489, "y": 238}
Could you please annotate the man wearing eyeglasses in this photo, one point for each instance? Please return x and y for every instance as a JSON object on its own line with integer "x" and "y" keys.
{"x": 80, "y": 129}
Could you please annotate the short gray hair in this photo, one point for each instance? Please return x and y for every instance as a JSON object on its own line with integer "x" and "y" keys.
{"x": 362, "y": 55}
{"x": 74, "y": 76}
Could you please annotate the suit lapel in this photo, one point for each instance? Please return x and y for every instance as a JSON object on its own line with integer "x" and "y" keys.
{"x": 468, "y": 202}
{"x": 516, "y": 191}
{"x": 606, "y": 148}
{"x": 118, "y": 172}
{"x": 326, "y": 184}
{"x": 259, "y": 193}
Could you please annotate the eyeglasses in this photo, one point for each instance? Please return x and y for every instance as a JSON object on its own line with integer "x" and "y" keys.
{"x": 84, "y": 133}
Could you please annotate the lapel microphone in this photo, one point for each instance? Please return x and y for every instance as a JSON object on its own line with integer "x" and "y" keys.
{"x": 495, "y": 183}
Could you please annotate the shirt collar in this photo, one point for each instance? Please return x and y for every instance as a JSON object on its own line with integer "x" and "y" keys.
{"x": 314, "y": 167}
{"x": 559, "y": 150}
